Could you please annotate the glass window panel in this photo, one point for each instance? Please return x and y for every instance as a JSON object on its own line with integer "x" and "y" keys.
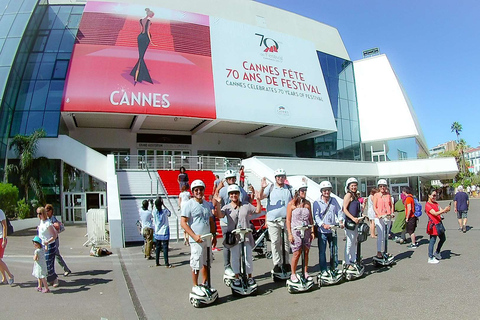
{"x": 49, "y": 17}
{"x": 2, "y": 41}
{"x": 6, "y": 22}
{"x": 46, "y": 70}
{"x": 332, "y": 71}
{"x": 19, "y": 25}
{"x": 31, "y": 71}
{"x": 351, "y": 91}
{"x": 40, "y": 95}
{"x": 74, "y": 21}
{"x": 55, "y": 95}
{"x": 67, "y": 41}
{"x": 40, "y": 43}
{"x": 19, "y": 123}
{"x": 8, "y": 52}
{"x": 3, "y": 5}
{"x": 34, "y": 122}
{"x": 349, "y": 73}
{"x": 342, "y": 89}
{"x": 339, "y": 129}
{"x": 63, "y": 56}
{"x": 25, "y": 95}
{"x": 353, "y": 110}
{"x": 28, "y": 5}
{"x": 343, "y": 109}
{"x": 13, "y": 6}
{"x": 340, "y": 67}
{"x": 355, "y": 131}
{"x": 77, "y": 9}
{"x": 60, "y": 71}
{"x": 50, "y": 123}
{"x": 347, "y": 135}
{"x": 61, "y": 20}
{"x": 35, "y": 57}
{"x": 54, "y": 41}
{"x": 49, "y": 57}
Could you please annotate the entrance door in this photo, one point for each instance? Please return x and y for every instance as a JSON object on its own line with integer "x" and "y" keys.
{"x": 74, "y": 210}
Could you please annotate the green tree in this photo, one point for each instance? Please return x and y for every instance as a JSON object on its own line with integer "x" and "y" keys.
{"x": 8, "y": 198}
{"x": 26, "y": 148}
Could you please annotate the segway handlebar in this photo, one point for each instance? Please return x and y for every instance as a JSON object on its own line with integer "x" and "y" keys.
{"x": 207, "y": 236}
{"x": 242, "y": 230}
{"x": 305, "y": 227}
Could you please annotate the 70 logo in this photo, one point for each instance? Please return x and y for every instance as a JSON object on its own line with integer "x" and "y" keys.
{"x": 269, "y": 44}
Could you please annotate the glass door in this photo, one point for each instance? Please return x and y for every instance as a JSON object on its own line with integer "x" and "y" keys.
{"x": 74, "y": 209}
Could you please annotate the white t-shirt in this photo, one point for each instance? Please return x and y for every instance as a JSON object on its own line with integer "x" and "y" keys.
{"x": 2, "y": 217}
{"x": 198, "y": 216}
{"x": 44, "y": 230}
{"x": 185, "y": 196}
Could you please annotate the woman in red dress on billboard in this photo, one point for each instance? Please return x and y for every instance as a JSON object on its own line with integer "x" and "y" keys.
{"x": 140, "y": 71}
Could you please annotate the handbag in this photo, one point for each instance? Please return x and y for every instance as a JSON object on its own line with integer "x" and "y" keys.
{"x": 230, "y": 238}
{"x": 350, "y": 225}
{"x": 363, "y": 230}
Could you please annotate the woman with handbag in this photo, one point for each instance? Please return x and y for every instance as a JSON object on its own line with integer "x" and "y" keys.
{"x": 352, "y": 211}
{"x": 48, "y": 235}
{"x": 435, "y": 226}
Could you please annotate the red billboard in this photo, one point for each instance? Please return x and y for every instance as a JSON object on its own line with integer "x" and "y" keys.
{"x": 131, "y": 59}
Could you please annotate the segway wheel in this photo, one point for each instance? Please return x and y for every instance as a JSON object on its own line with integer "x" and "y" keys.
{"x": 290, "y": 290}
{"x": 268, "y": 255}
{"x": 227, "y": 282}
{"x": 195, "y": 302}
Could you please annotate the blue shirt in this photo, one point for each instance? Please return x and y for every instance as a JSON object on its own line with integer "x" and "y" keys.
{"x": 198, "y": 215}
{"x": 332, "y": 216}
{"x": 277, "y": 200}
{"x": 160, "y": 222}
{"x": 462, "y": 199}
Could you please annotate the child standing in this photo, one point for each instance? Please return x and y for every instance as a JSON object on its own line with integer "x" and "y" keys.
{"x": 40, "y": 265}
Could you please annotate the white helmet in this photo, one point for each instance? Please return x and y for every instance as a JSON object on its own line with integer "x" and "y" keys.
{"x": 303, "y": 185}
{"x": 230, "y": 174}
{"x": 280, "y": 172}
{"x": 233, "y": 188}
{"x": 325, "y": 185}
{"x": 197, "y": 184}
{"x": 382, "y": 182}
{"x": 349, "y": 182}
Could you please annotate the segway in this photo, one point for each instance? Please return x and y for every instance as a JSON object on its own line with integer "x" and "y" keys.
{"x": 333, "y": 274}
{"x": 228, "y": 276}
{"x": 209, "y": 294}
{"x": 387, "y": 259}
{"x": 302, "y": 284}
{"x": 244, "y": 288}
{"x": 358, "y": 268}
{"x": 285, "y": 268}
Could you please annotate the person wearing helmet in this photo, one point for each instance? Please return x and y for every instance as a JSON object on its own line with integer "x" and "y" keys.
{"x": 352, "y": 211}
{"x": 326, "y": 212}
{"x": 238, "y": 214}
{"x": 230, "y": 179}
{"x": 299, "y": 213}
{"x": 197, "y": 220}
{"x": 279, "y": 194}
{"x": 383, "y": 205}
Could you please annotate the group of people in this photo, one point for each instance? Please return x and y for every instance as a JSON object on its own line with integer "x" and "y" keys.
{"x": 46, "y": 250}
{"x": 287, "y": 208}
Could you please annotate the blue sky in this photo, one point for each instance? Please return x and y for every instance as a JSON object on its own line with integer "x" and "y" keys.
{"x": 433, "y": 46}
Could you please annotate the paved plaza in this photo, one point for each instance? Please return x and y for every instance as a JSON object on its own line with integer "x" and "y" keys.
{"x": 126, "y": 286}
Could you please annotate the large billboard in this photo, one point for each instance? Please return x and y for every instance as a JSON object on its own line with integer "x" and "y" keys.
{"x": 128, "y": 59}
{"x": 137, "y": 60}
{"x": 267, "y": 77}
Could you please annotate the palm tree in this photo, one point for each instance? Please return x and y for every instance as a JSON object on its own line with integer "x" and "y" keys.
{"x": 26, "y": 147}
{"x": 457, "y": 128}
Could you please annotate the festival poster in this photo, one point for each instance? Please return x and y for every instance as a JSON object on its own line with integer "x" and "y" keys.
{"x": 127, "y": 59}
{"x": 268, "y": 77}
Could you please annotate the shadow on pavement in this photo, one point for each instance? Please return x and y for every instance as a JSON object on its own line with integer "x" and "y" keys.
{"x": 447, "y": 254}
{"x": 90, "y": 273}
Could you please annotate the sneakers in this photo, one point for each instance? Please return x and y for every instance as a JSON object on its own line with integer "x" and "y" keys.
{"x": 236, "y": 283}
{"x": 251, "y": 281}
{"x": 67, "y": 273}
{"x": 11, "y": 280}
{"x": 293, "y": 277}
{"x": 433, "y": 260}
{"x": 464, "y": 229}
{"x": 412, "y": 246}
{"x": 55, "y": 283}
{"x": 308, "y": 277}
{"x": 437, "y": 256}
{"x": 215, "y": 249}
{"x": 198, "y": 291}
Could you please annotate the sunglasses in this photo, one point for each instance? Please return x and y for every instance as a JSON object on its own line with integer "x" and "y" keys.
{"x": 302, "y": 190}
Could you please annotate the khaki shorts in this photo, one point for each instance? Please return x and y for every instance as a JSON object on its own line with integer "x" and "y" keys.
{"x": 198, "y": 256}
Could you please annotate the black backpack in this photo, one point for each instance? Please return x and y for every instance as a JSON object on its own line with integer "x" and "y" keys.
{"x": 9, "y": 227}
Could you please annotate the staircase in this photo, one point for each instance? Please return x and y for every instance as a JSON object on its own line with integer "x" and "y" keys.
{"x": 134, "y": 187}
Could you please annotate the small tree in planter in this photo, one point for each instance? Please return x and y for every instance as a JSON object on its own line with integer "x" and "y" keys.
{"x": 8, "y": 199}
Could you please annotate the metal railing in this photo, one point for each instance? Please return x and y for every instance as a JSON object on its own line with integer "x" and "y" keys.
{"x": 161, "y": 162}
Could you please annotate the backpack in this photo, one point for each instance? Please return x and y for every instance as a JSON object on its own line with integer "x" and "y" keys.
{"x": 417, "y": 208}
{"x": 9, "y": 227}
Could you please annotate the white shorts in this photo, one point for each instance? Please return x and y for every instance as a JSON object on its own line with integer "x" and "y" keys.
{"x": 198, "y": 258}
